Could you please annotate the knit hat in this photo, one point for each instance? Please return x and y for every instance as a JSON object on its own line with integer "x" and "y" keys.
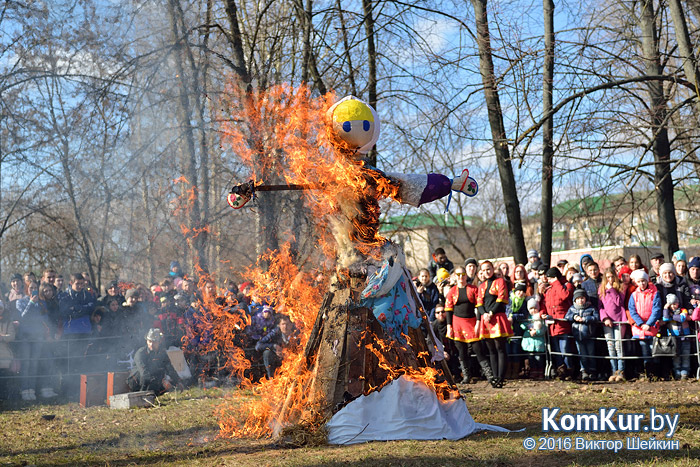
{"x": 694, "y": 263}
{"x": 16, "y": 277}
{"x": 471, "y": 261}
{"x": 533, "y": 303}
{"x": 267, "y": 308}
{"x": 657, "y": 256}
{"x": 667, "y": 267}
{"x": 624, "y": 270}
{"x": 671, "y": 299}
{"x": 520, "y": 285}
{"x": 542, "y": 268}
{"x": 533, "y": 254}
{"x": 562, "y": 263}
{"x": 639, "y": 274}
{"x": 578, "y": 293}
{"x": 554, "y": 272}
{"x": 577, "y": 277}
{"x": 244, "y": 285}
{"x": 678, "y": 255}
{"x": 114, "y": 284}
{"x": 175, "y": 264}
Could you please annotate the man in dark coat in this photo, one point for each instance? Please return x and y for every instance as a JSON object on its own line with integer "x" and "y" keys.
{"x": 283, "y": 337}
{"x": 440, "y": 260}
{"x": 153, "y": 370}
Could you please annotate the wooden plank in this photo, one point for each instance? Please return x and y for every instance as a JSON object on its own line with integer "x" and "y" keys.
{"x": 93, "y": 389}
{"x": 315, "y": 335}
{"x": 330, "y": 350}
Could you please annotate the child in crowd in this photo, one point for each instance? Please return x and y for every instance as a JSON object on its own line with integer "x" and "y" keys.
{"x": 645, "y": 310}
{"x": 533, "y": 339}
{"x": 583, "y": 316}
{"x": 612, "y": 313}
{"x": 677, "y": 322}
{"x": 516, "y": 310}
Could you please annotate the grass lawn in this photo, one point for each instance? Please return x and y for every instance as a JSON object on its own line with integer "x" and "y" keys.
{"x": 183, "y": 431}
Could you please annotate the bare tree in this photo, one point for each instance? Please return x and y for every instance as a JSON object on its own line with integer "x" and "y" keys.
{"x": 500, "y": 141}
{"x": 547, "y": 222}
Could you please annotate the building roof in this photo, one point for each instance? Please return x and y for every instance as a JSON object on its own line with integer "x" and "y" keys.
{"x": 415, "y": 221}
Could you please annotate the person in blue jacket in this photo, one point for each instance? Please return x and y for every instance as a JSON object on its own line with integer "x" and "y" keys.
{"x": 583, "y": 316}
{"x": 283, "y": 338}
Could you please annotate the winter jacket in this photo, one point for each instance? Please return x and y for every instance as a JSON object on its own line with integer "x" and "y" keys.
{"x": 430, "y": 297}
{"x": 275, "y": 337}
{"x": 7, "y": 335}
{"x": 150, "y": 367}
{"x": 433, "y": 267}
{"x": 678, "y": 322}
{"x": 612, "y": 305}
{"x": 518, "y": 314}
{"x": 591, "y": 288}
{"x": 34, "y": 322}
{"x": 582, "y": 330}
{"x": 645, "y": 308}
{"x": 260, "y": 327}
{"x": 679, "y": 288}
{"x": 75, "y": 309}
{"x": 533, "y": 343}
{"x": 556, "y": 303}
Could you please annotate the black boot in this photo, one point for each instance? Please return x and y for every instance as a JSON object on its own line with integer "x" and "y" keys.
{"x": 486, "y": 369}
{"x": 466, "y": 374}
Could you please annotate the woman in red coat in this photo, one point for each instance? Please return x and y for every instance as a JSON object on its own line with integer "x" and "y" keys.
{"x": 557, "y": 301}
{"x": 494, "y": 327}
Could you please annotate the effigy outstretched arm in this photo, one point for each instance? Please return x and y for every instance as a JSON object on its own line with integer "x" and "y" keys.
{"x": 417, "y": 189}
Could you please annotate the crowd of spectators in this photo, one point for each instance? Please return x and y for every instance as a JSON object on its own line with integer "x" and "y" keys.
{"x": 51, "y": 332}
{"x": 629, "y": 321}
{"x": 589, "y": 324}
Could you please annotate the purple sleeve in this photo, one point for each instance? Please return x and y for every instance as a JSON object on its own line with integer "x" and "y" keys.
{"x": 438, "y": 186}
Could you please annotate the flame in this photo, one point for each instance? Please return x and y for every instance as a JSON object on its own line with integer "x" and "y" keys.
{"x": 285, "y": 395}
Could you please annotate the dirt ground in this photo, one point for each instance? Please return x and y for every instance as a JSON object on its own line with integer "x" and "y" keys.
{"x": 183, "y": 431}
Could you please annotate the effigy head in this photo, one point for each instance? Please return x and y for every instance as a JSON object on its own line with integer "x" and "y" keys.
{"x": 355, "y": 123}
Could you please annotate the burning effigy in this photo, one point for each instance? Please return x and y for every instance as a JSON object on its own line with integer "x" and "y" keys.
{"x": 368, "y": 366}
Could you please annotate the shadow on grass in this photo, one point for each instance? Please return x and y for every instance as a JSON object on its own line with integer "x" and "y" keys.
{"x": 145, "y": 449}
{"x": 119, "y": 441}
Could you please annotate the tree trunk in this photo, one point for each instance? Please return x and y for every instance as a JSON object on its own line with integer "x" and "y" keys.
{"x": 189, "y": 152}
{"x": 371, "y": 66}
{"x": 498, "y": 133}
{"x": 150, "y": 230}
{"x": 547, "y": 221}
{"x": 663, "y": 179}
{"x": 236, "y": 41}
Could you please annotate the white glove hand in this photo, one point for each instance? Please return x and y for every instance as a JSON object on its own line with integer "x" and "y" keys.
{"x": 465, "y": 184}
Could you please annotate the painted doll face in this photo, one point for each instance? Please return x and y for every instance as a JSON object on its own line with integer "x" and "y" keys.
{"x": 353, "y": 122}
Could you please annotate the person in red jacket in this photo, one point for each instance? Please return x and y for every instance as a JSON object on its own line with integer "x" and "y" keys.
{"x": 494, "y": 326}
{"x": 557, "y": 301}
